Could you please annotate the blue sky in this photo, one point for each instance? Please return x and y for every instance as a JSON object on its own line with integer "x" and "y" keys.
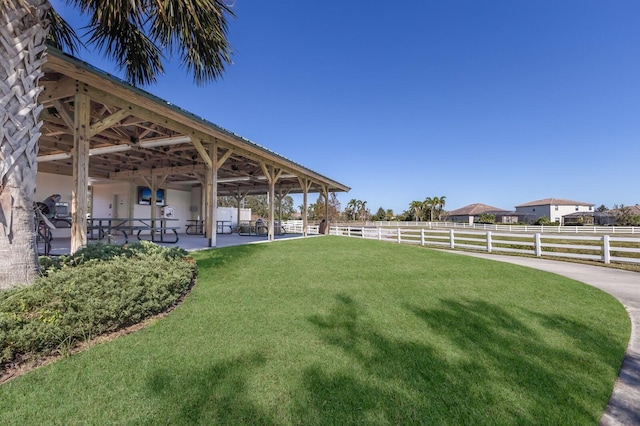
{"x": 495, "y": 102}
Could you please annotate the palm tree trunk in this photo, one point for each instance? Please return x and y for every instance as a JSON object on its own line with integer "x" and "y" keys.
{"x": 22, "y": 54}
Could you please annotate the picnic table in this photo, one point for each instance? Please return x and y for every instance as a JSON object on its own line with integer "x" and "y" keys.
{"x": 157, "y": 228}
{"x": 221, "y": 225}
{"x": 195, "y": 227}
{"x": 260, "y": 228}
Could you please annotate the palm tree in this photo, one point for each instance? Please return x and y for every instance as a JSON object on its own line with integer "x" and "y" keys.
{"x": 441, "y": 202}
{"x": 416, "y": 208}
{"x": 135, "y": 35}
{"x": 352, "y": 208}
{"x": 362, "y": 211}
{"x": 428, "y": 205}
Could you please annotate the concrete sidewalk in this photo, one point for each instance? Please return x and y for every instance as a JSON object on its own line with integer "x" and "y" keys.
{"x": 624, "y": 404}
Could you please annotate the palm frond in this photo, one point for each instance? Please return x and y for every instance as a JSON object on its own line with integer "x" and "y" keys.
{"x": 136, "y": 32}
{"x": 61, "y": 35}
{"x": 131, "y": 49}
{"x": 197, "y": 29}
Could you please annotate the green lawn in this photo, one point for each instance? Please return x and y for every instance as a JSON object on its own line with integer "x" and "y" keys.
{"x": 332, "y": 331}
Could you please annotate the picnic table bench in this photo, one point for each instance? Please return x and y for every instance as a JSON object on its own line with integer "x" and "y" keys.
{"x": 156, "y": 227}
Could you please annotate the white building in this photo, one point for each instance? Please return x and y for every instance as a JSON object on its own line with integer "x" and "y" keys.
{"x": 552, "y": 208}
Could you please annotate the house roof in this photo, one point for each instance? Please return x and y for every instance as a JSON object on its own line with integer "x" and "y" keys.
{"x": 634, "y": 210}
{"x": 554, "y": 202}
{"x": 474, "y": 209}
{"x": 135, "y": 135}
{"x": 607, "y": 213}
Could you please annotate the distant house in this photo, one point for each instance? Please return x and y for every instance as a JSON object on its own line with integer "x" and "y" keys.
{"x": 552, "y": 208}
{"x": 635, "y": 210}
{"x": 606, "y": 218}
{"x": 471, "y": 214}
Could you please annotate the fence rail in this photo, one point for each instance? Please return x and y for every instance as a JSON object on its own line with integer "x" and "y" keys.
{"x": 548, "y": 229}
{"x": 601, "y": 248}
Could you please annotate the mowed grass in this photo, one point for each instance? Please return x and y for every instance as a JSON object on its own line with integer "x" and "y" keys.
{"x": 337, "y": 330}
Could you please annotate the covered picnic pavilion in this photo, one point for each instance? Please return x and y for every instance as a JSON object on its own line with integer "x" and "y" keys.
{"x": 96, "y": 126}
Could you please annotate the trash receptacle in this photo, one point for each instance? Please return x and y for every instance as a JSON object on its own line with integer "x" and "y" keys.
{"x": 322, "y": 229}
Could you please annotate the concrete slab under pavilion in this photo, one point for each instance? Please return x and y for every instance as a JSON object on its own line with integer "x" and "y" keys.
{"x": 62, "y": 245}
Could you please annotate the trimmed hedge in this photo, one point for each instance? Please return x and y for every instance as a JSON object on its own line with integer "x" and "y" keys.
{"x": 100, "y": 289}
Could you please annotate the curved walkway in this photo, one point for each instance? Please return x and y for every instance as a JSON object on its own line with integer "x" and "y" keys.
{"x": 624, "y": 404}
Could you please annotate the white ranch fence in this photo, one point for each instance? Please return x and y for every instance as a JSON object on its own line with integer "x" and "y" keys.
{"x": 543, "y": 229}
{"x": 553, "y": 242}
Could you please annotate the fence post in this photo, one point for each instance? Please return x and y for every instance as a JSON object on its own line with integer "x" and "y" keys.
{"x": 379, "y": 233}
{"x": 399, "y": 237}
{"x": 606, "y": 249}
{"x": 538, "y": 245}
{"x": 348, "y": 231}
{"x": 422, "y": 237}
{"x": 489, "y": 241}
{"x": 452, "y": 242}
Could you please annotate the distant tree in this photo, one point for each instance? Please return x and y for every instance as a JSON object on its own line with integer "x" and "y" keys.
{"x": 287, "y": 208}
{"x": 389, "y": 214}
{"x": 625, "y": 216}
{"x": 442, "y": 200}
{"x": 405, "y": 216}
{"x": 435, "y": 207}
{"x": 380, "y": 214}
{"x": 259, "y": 205}
{"x": 227, "y": 202}
{"x": 602, "y": 208}
{"x": 353, "y": 209}
{"x": 334, "y": 208}
{"x": 311, "y": 211}
{"x": 357, "y": 210}
{"x": 428, "y": 205}
{"x": 363, "y": 213}
{"x": 416, "y": 209}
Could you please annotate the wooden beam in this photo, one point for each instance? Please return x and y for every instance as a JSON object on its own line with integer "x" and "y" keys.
{"x": 239, "y": 196}
{"x": 54, "y": 90}
{"x": 196, "y": 134}
{"x": 224, "y": 158}
{"x": 271, "y": 172}
{"x": 177, "y": 170}
{"x": 146, "y": 181}
{"x": 65, "y": 114}
{"x": 108, "y": 121}
{"x": 162, "y": 180}
{"x": 202, "y": 151}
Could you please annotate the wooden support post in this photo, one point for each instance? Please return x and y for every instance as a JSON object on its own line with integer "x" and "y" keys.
{"x": 325, "y": 195}
{"x": 239, "y": 197}
{"x": 272, "y": 174}
{"x": 305, "y": 183}
{"x": 212, "y": 195}
{"x": 81, "y": 147}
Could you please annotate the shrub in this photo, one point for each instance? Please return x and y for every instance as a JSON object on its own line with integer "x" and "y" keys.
{"x": 99, "y": 289}
{"x": 487, "y": 218}
{"x": 100, "y": 251}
